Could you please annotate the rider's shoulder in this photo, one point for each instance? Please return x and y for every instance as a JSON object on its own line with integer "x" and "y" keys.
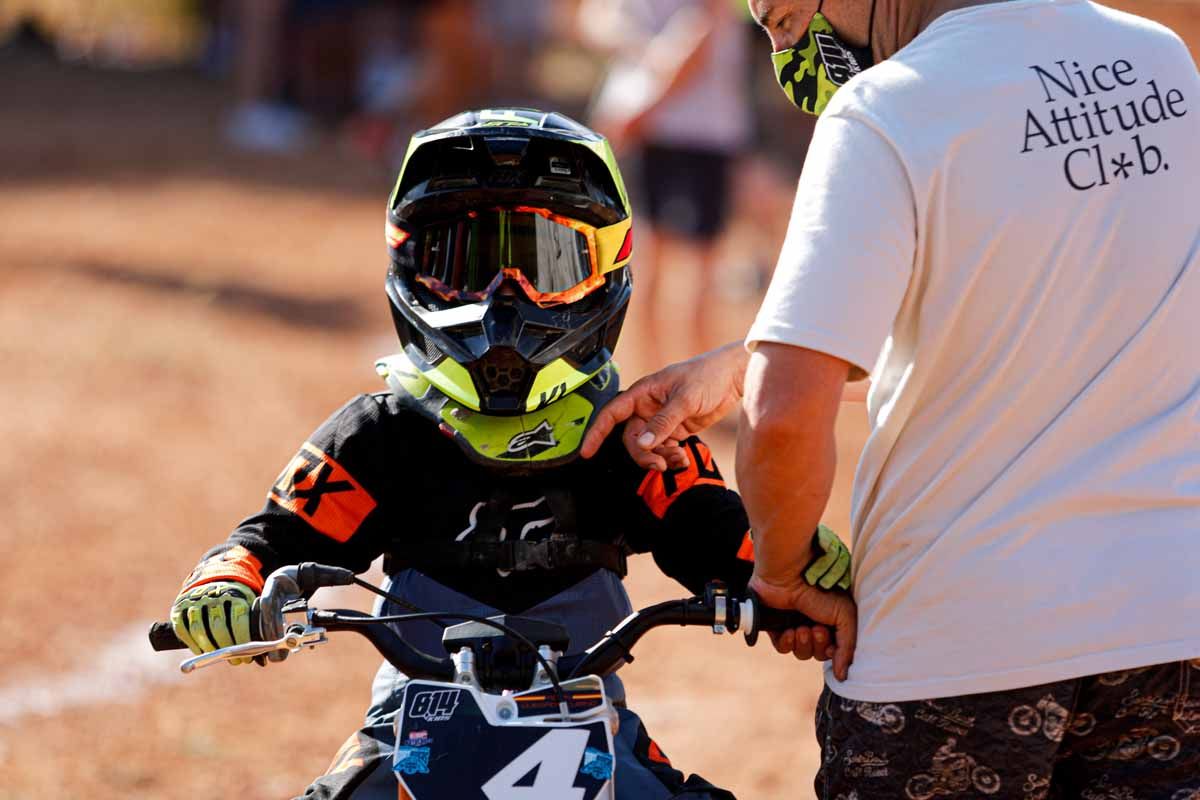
{"x": 377, "y": 410}
{"x": 613, "y": 455}
{"x": 363, "y": 408}
{"x": 612, "y": 450}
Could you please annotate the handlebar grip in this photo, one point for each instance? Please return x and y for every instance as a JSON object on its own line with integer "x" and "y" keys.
{"x": 162, "y": 637}
{"x": 771, "y": 619}
{"x": 162, "y": 634}
{"x": 311, "y": 576}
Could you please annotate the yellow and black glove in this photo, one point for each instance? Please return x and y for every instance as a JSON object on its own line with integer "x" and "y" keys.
{"x": 830, "y": 566}
{"x": 213, "y": 615}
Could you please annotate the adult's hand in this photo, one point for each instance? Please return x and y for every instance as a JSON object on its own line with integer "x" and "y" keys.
{"x": 672, "y": 404}
{"x": 834, "y": 610}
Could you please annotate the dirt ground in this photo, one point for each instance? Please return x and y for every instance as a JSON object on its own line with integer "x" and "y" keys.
{"x": 175, "y": 319}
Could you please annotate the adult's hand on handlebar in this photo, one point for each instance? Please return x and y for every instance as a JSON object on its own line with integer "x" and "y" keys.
{"x": 670, "y": 405}
{"x": 833, "y": 609}
{"x": 213, "y": 615}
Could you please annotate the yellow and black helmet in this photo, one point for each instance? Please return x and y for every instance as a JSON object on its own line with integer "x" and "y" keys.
{"x": 510, "y": 237}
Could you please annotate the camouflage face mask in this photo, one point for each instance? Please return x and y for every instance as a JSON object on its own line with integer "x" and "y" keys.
{"x": 817, "y": 66}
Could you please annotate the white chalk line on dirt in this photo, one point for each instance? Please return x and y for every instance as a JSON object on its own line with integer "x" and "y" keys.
{"x": 126, "y": 668}
{"x": 120, "y": 671}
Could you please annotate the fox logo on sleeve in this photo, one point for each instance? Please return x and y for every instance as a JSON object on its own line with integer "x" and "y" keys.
{"x": 320, "y": 491}
{"x": 659, "y": 490}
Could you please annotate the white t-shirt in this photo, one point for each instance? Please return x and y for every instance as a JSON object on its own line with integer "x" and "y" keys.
{"x": 1001, "y": 224}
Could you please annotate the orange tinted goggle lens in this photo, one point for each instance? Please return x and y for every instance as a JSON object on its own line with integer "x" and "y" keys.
{"x": 552, "y": 257}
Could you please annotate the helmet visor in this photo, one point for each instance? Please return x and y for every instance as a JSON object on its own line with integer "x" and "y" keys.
{"x": 469, "y": 256}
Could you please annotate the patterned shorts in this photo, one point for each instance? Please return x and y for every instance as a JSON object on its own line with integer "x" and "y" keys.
{"x": 1129, "y": 735}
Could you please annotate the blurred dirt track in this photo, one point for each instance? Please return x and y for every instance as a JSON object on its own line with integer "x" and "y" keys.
{"x": 175, "y": 319}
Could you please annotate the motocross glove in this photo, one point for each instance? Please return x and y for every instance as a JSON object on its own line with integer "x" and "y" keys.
{"x": 830, "y": 566}
{"x": 213, "y": 615}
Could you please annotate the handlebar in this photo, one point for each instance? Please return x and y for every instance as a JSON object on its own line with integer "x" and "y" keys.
{"x": 283, "y": 586}
{"x": 289, "y": 584}
{"x": 162, "y": 637}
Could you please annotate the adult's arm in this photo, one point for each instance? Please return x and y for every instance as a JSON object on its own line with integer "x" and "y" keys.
{"x": 670, "y": 405}
{"x": 786, "y": 458}
{"x": 842, "y": 275}
{"x": 678, "y": 401}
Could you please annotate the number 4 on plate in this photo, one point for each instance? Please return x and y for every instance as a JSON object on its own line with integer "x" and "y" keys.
{"x": 556, "y": 757}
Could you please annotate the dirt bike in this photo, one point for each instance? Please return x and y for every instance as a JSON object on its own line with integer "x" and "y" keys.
{"x": 505, "y": 704}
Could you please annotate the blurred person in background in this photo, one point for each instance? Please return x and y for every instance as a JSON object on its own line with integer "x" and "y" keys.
{"x": 260, "y": 119}
{"x": 295, "y": 63}
{"x": 676, "y": 94}
{"x": 997, "y": 221}
{"x": 420, "y": 61}
{"x": 385, "y": 67}
{"x": 517, "y": 29}
{"x": 455, "y": 43}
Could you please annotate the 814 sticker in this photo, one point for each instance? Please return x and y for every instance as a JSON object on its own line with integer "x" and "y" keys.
{"x": 434, "y": 706}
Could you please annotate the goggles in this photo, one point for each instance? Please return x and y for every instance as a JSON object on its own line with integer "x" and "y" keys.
{"x": 555, "y": 259}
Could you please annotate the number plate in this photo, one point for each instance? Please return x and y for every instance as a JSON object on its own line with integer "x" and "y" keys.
{"x": 447, "y": 747}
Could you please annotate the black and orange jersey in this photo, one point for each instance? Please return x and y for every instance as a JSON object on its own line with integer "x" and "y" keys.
{"x": 376, "y": 478}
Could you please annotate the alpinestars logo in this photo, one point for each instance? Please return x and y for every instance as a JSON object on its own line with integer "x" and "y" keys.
{"x": 840, "y": 64}
{"x": 530, "y": 443}
{"x": 437, "y": 706}
{"x": 603, "y": 378}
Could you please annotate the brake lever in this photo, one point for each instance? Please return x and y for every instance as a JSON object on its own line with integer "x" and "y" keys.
{"x": 292, "y": 641}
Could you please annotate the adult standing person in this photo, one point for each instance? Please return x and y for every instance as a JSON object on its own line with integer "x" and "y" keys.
{"x": 676, "y": 94}
{"x": 998, "y": 223}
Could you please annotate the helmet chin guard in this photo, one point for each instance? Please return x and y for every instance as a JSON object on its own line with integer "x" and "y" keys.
{"x": 547, "y": 436}
{"x": 506, "y": 355}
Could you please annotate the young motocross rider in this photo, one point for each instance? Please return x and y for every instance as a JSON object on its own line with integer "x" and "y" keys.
{"x": 509, "y": 233}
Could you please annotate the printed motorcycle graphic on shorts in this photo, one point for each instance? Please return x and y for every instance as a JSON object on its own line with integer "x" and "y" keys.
{"x": 952, "y": 773}
{"x": 1048, "y": 716}
{"x": 1138, "y": 743}
{"x": 888, "y": 717}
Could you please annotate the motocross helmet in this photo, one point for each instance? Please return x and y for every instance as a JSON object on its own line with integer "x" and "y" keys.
{"x": 510, "y": 236}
